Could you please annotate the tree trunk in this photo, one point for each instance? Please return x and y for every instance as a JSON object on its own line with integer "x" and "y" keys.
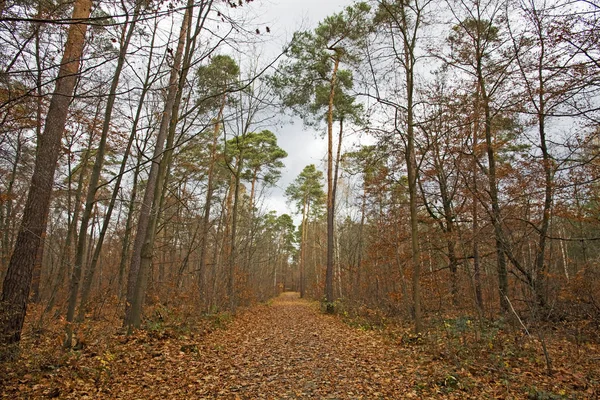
{"x": 226, "y": 238}
{"x": 335, "y": 185}
{"x": 330, "y": 192}
{"x": 540, "y": 266}
{"x": 207, "y": 205}
{"x": 233, "y": 245}
{"x": 37, "y": 267}
{"x": 93, "y": 188}
{"x": 411, "y": 167}
{"x": 493, "y": 192}
{"x": 18, "y": 278}
{"x": 136, "y": 278}
{"x": 361, "y": 228}
{"x": 475, "y": 224}
{"x": 303, "y": 238}
{"x": 37, "y": 270}
{"x": 128, "y": 226}
{"x": 414, "y": 229}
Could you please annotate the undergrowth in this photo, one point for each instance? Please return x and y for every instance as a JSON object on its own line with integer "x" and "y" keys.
{"x": 540, "y": 360}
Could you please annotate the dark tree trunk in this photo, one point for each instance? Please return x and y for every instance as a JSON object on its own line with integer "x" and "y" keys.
{"x": 136, "y": 278}
{"x": 18, "y": 278}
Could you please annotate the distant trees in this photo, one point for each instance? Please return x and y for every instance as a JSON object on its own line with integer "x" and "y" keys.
{"x": 307, "y": 193}
{"x": 312, "y": 83}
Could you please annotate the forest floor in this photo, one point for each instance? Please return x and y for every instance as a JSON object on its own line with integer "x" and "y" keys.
{"x": 288, "y": 349}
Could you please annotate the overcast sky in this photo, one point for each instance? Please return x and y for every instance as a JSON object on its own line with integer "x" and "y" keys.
{"x": 304, "y": 146}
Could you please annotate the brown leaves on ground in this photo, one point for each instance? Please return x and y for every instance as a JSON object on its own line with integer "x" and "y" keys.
{"x": 289, "y": 350}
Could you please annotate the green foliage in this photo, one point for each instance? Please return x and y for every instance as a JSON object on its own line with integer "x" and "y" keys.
{"x": 256, "y": 156}
{"x": 458, "y": 326}
{"x": 369, "y": 161}
{"x": 220, "y": 320}
{"x": 215, "y": 80}
{"x": 263, "y": 157}
{"x": 280, "y": 229}
{"x": 472, "y": 36}
{"x": 307, "y": 190}
{"x": 304, "y": 81}
{"x": 450, "y": 383}
{"x": 167, "y": 322}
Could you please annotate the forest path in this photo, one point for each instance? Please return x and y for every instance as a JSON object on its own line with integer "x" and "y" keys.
{"x": 286, "y": 349}
{"x": 290, "y": 350}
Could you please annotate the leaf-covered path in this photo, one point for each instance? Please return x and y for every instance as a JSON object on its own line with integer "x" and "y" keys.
{"x": 290, "y": 350}
{"x": 284, "y": 350}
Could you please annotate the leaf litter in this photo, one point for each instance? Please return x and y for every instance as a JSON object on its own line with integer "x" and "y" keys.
{"x": 288, "y": 349}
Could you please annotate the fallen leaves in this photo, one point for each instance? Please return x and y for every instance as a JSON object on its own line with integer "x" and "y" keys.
{"x": 289, "y": 350}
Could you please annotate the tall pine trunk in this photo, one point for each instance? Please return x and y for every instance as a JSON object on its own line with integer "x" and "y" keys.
{"x": 330, "y": 191}
{"x": 93, "y": 187}
{"x": 19, "y": 275}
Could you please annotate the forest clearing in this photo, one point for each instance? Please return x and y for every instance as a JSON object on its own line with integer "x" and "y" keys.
{"x": 288, "y": 349}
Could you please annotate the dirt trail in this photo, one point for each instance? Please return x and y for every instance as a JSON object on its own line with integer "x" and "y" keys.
{"x": 290, "y": 350}
{"x": 283, "y": 350}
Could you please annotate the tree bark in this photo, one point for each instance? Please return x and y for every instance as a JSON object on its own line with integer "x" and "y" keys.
{"x": 136, "y": 277}
{"x": 411, "y": 168}
{"x": 475, "y": 224}
{"x": 303, "y": 238}
{"x": 335, "y": 185}
{"x": 37, "y": 267}
{"x": 93, "y": 188}
{"x": 128, "y": 225}
{"x": 18, "y": 278}
{"x": 330, "y": 192}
